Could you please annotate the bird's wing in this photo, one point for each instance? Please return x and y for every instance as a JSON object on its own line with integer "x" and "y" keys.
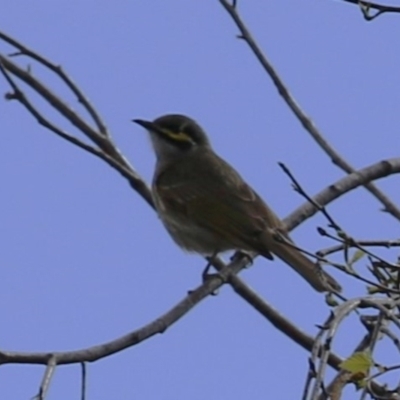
{"x": 228, "y": 206}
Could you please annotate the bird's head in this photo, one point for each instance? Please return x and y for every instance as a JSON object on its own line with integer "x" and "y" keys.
{"x": 174, "y": 135}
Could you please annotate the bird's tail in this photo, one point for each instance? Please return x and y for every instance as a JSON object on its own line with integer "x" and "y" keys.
{"x": 311, "y": 272}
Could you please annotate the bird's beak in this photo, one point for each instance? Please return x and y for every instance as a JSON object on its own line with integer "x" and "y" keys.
{"x": 146, "y": 124}
{"x": 150, "y": 126}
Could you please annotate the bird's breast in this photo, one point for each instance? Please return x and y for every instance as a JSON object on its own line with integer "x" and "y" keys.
{"x": 189, "y": 235}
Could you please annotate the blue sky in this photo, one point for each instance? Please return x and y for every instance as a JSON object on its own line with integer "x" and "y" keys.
{"x": 85, "y": 260}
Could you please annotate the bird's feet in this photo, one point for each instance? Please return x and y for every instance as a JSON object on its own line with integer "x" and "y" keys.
{"x": 241, "y": 254}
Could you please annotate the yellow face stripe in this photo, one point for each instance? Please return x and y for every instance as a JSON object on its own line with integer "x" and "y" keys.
{"x": 178, "y": 136}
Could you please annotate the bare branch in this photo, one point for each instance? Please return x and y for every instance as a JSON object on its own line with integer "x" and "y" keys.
{"x": 101, "y": 141}
{"x": 157, "y": 326}
{"x": 109, "y": 153}
{"x": 20, "y": 96}
{"x": 308, "y": 125}
{"x": 23, "y": 50}
{"x": 366, "y": 6}
{"x": 53, "y": 100}
{"x": 342, "y": 186}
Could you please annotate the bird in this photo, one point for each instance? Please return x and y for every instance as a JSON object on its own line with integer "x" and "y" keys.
{"x": 208, "y": 208}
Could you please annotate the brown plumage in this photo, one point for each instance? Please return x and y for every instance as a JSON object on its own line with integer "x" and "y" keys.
{"x": 208, "y": 208}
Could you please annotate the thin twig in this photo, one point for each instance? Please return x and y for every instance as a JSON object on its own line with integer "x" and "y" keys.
{"x": 23, "y": 50}
{"x": 350, "y": 241}
{"x": 308, "y": 125}
{"x": 48, "y": 374}
{"x": 344, "y": 185}
{"x": 365, "y": 243}
{"x": 392, "y": 336}
{"x": 343, "y": 237}
{"x": 100, "y": 140}
{"x": 83, "y": 381}
{"x": 335, "y": 387}
{"x": 380, "y": 9}
{"x": 118, "y": 163}
{"x": 299, "y": 189}
{"x": 376, "y": 334}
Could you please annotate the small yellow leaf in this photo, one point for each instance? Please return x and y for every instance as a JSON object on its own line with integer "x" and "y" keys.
{"x": 358, "y": 363}
{"x": 358, "y": 255}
